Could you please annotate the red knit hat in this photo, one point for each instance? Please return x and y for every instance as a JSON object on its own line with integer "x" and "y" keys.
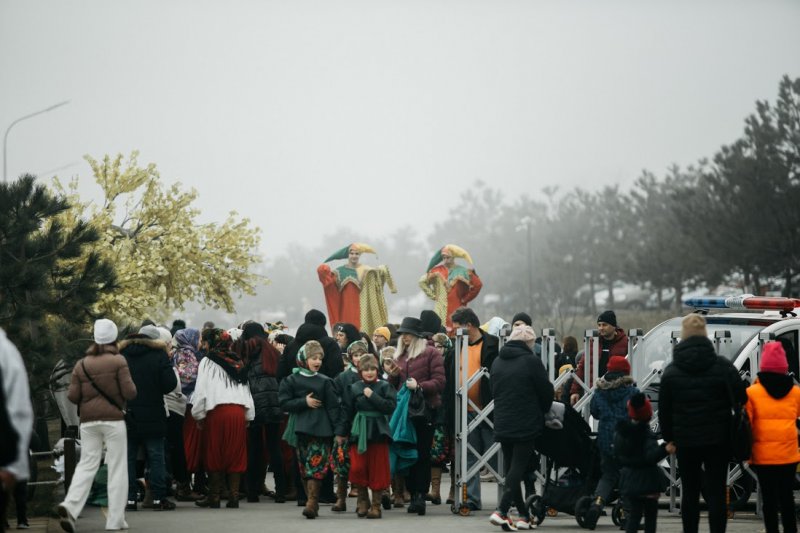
{"x": 640, "y": 408}
{"x": 618, "y": 364}
{"x": 773, "y": 359}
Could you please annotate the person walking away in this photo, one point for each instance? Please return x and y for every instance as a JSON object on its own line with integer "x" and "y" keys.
{"x": 694, "y": 410}
{"x": 638, "y": 452}
{"x": 310, "y": 399}
{"x": 367, "y": 407}
{"x": 418, "y": 365}
{"x": 222, "y": 406}
{"x": 609, "y": 405}
{"x": 101, "y": 384}
{"x": 773, "y": 405}
{"x": 522, "y": 395}
{"x": 261, "y": 359}
{"x": 613, "y": 341}
{"x": 154, "y": 377}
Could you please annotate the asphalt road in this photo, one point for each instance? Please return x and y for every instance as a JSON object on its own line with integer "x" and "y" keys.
{"x": 286, "y": 517}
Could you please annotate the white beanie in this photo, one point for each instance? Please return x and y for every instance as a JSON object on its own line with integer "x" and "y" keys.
{"x": 105, "y": 331}
{"x": 150, "y": 331}
{"x": 164, "y": 334}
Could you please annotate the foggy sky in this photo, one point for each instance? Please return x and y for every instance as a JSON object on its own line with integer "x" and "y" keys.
{"x": 304, "y": 116}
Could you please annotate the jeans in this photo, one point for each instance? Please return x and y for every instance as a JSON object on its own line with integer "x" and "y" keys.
{"x": 93, "y": 435}
{"x": 154, "y": 450}
{"x": 516, "y": 458}
{"x": 609, "y": 477}
{"x": 481, "y": 439}
{"x": 691, "y": 462}
{"x": 776, "y": 484}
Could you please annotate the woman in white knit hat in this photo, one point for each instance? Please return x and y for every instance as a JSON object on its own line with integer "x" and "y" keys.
{"x": 101, "y": 384}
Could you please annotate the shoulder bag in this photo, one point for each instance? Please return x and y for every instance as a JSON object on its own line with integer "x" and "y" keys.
{"x": 741, "y": 433}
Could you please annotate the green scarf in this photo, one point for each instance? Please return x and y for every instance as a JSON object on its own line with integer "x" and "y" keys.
{"x": 360, "y": 427}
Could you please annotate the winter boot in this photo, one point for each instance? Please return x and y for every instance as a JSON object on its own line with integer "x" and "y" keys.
{"x": 434, "y": 495}
{"x": 362, "y": 504}
{"x": 147, "y": 502}
{"x": 311, "y": 510}
{"x": 593, "y": 514}
{"x": 234, "y": 479}
{"x": 214, "y": 487}
{"x": 386, "y": 500}
{"x": 417, "y": 504}
{"x": 184, "y": 494}
{"x": 341, "y": 495}
{"x": 398, "y": 487}
{"x": 375, "y": 510}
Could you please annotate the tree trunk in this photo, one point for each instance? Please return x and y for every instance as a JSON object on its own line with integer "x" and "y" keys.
{"x": 678, "y": 303}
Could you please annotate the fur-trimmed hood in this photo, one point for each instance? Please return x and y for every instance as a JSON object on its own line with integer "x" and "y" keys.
{"x": 614, "y": 381}
{"x": 138, "y": 344}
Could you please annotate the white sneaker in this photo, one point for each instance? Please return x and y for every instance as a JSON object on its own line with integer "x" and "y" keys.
{"x": 66, "y": 520}
{"x": 521, "y": 523}
{"x": 503, "y": 521}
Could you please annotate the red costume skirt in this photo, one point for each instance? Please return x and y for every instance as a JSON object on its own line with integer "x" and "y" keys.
{"x": 192, "y": 442}
{"x": 225, "y": 436}
{"x": 371, "y": 468}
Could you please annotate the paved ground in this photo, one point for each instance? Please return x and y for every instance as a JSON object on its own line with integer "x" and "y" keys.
{"x": 269, "y": 516}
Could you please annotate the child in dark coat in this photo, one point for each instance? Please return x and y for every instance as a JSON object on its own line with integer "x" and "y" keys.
{"x": 368, "y": 405}
{"x": 310, "y": 399}
{"x": 638, "y": 452}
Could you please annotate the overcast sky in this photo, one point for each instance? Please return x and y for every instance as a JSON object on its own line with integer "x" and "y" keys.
{"x": 305, "y": 115}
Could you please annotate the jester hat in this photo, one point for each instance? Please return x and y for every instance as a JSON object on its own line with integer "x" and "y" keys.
{"x": 343, "y": 253}
{"x": 451, "y": 249}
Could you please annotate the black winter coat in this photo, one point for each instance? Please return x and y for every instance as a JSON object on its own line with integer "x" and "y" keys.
{"x": 318, "y": 422}
{"x": 332, "y": 363}
{"x": 694, "y": 407}
{"x": 263, "y": 386}
{"x": 383, "y": 400}
{"x": 638, "y": 452}
{"x": 341, "y": 385}
{"x": 154, "y": 377}
{"x": 522, "y": 393}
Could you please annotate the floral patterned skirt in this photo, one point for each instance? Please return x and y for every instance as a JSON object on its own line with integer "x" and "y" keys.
{"x": 340, "y": 459}
{"x": 441, "y": 452}
{"x": 313, "y": 456}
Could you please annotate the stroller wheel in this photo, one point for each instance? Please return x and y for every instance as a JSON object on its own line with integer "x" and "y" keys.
{"x": 618, "y": 515}
{"x": 536, "y": 508}
{"x": 581, "y": 508}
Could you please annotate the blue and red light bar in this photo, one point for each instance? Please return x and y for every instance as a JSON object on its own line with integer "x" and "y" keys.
{"x": 745, "y": 301}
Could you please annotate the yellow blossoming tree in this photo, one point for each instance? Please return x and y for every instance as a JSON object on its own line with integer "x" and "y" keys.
{"x": 163, "y": 256}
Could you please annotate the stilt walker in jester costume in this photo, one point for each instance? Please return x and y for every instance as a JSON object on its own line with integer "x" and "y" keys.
{"x": 448, "y": 284}
{"x": 354, "y": 292}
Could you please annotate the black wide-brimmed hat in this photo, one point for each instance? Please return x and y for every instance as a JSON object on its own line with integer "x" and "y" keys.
{"x": 411, "y": 325}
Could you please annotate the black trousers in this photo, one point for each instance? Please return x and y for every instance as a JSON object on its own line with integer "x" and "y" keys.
{"x": 638, "y": 507}
{"x": 516, "y": 458}
{"x": 419, "y": 476}
{"x": 776, "y": 484}
{"x": 176, "y": 454}
{"x": 709, "y": 464}
{"x": 259, "y": 435}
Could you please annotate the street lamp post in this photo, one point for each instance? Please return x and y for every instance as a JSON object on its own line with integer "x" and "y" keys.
{"x": 525, "y": 224}
{"x": 5, "y": 137}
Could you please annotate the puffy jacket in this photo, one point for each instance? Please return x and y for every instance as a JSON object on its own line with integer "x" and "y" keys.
{"x": 773, "y": 405}
{"x": 111, "y": 374}
{"x": 694, "y": 407}
{"x": 616, "y": 346}
{"x": 154, "y": 377}
{"x": 428, "y": 369}
{"x": 638, "y": 452}
{"x": 522, "y": 393}
{"x": 263, "y": 380}
{"x": 610, "y": 405}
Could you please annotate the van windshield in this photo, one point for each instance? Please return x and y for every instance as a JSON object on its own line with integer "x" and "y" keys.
{"x": 655, "y": 350}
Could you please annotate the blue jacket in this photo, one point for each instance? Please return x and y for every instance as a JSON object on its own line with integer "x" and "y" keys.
{"x": 610, "y": 405}
{"x": 403, "y": 448}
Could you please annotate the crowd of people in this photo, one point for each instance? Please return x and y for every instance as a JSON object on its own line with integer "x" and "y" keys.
{"x": 203, "y": 414}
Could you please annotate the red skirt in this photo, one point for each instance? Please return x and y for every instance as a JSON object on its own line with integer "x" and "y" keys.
{"x": 225, "y": 435}
{"x": 371, "y": 468}
{"x": 192, "y": 443}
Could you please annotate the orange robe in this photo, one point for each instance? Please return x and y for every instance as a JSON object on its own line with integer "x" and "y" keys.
{"x": 342, "y": 299}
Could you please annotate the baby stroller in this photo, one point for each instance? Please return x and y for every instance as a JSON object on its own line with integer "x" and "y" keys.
{"x": 572, "y": 473}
